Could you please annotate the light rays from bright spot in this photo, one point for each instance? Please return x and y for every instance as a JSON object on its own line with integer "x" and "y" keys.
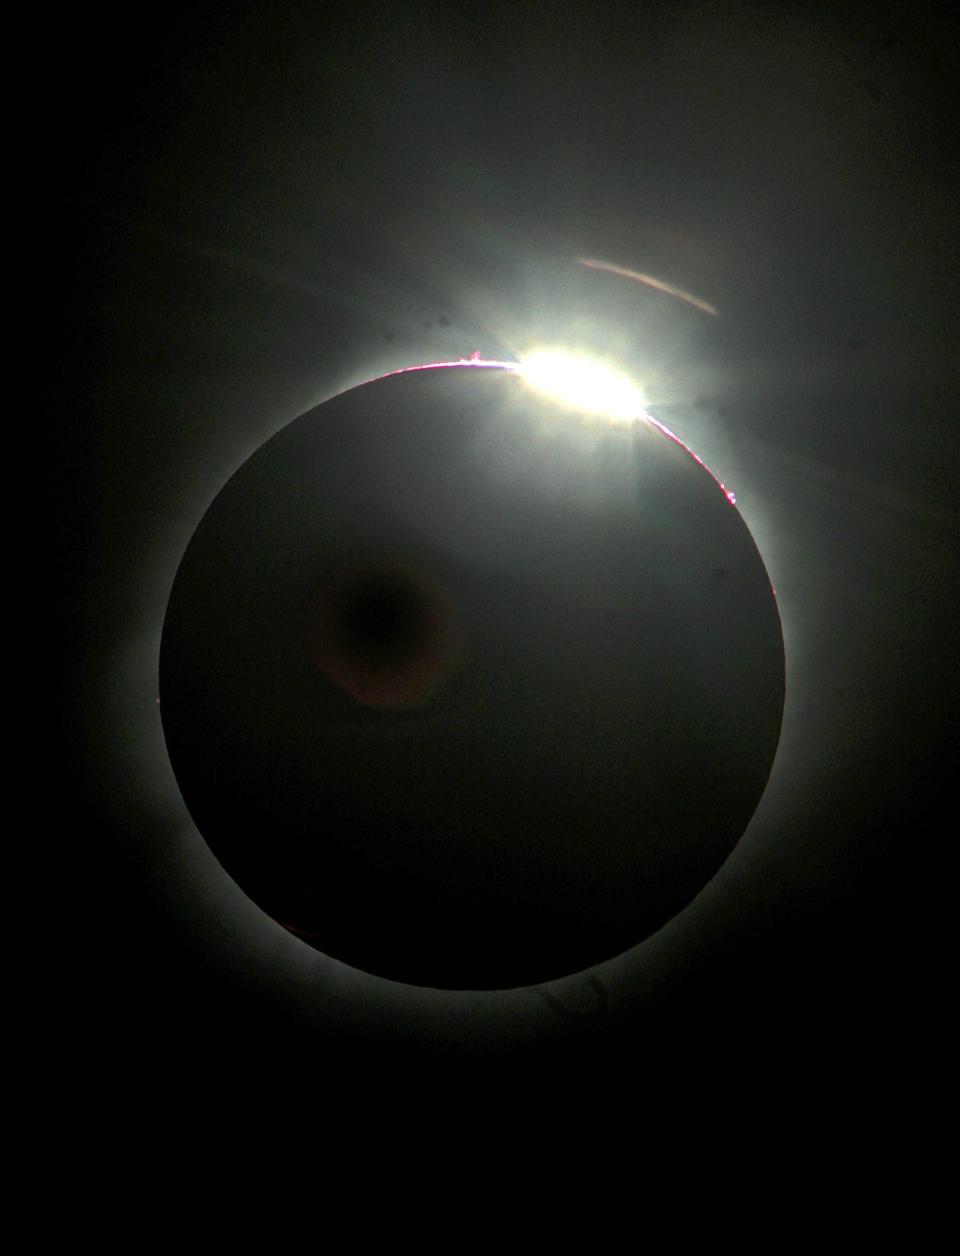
{"x": 583, "y": 383}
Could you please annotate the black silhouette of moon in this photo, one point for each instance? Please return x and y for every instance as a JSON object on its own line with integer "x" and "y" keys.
{"x": 467, "y": 689}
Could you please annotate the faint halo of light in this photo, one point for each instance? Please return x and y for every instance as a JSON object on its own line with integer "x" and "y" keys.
{"x": 584, "y": 383}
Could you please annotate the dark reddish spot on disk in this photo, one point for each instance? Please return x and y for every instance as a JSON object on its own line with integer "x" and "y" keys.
{"x": 385, "y": 633}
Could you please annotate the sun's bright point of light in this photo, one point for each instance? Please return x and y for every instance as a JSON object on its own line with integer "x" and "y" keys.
{"x": 584, "y": 383}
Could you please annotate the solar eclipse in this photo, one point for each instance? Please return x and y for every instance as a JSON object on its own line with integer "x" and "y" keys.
{"x": 466, "y": 685}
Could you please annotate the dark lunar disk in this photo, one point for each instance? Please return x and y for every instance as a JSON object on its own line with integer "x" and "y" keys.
{"x": 468, "y": 689}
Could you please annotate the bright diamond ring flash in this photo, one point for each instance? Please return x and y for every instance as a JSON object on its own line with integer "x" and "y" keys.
{"x": 583, "y": 383}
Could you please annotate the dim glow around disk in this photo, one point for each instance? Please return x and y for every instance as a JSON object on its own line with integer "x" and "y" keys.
{"x": 583, "y": 383}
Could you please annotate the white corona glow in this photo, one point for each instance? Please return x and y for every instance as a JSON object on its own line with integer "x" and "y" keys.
{"x": 584, "y": 383}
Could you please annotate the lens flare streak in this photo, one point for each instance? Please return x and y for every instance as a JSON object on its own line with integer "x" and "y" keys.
{"x": 657, "y": 284}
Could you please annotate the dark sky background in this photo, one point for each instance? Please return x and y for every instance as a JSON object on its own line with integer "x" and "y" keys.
{"x": 247, "y": 209}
